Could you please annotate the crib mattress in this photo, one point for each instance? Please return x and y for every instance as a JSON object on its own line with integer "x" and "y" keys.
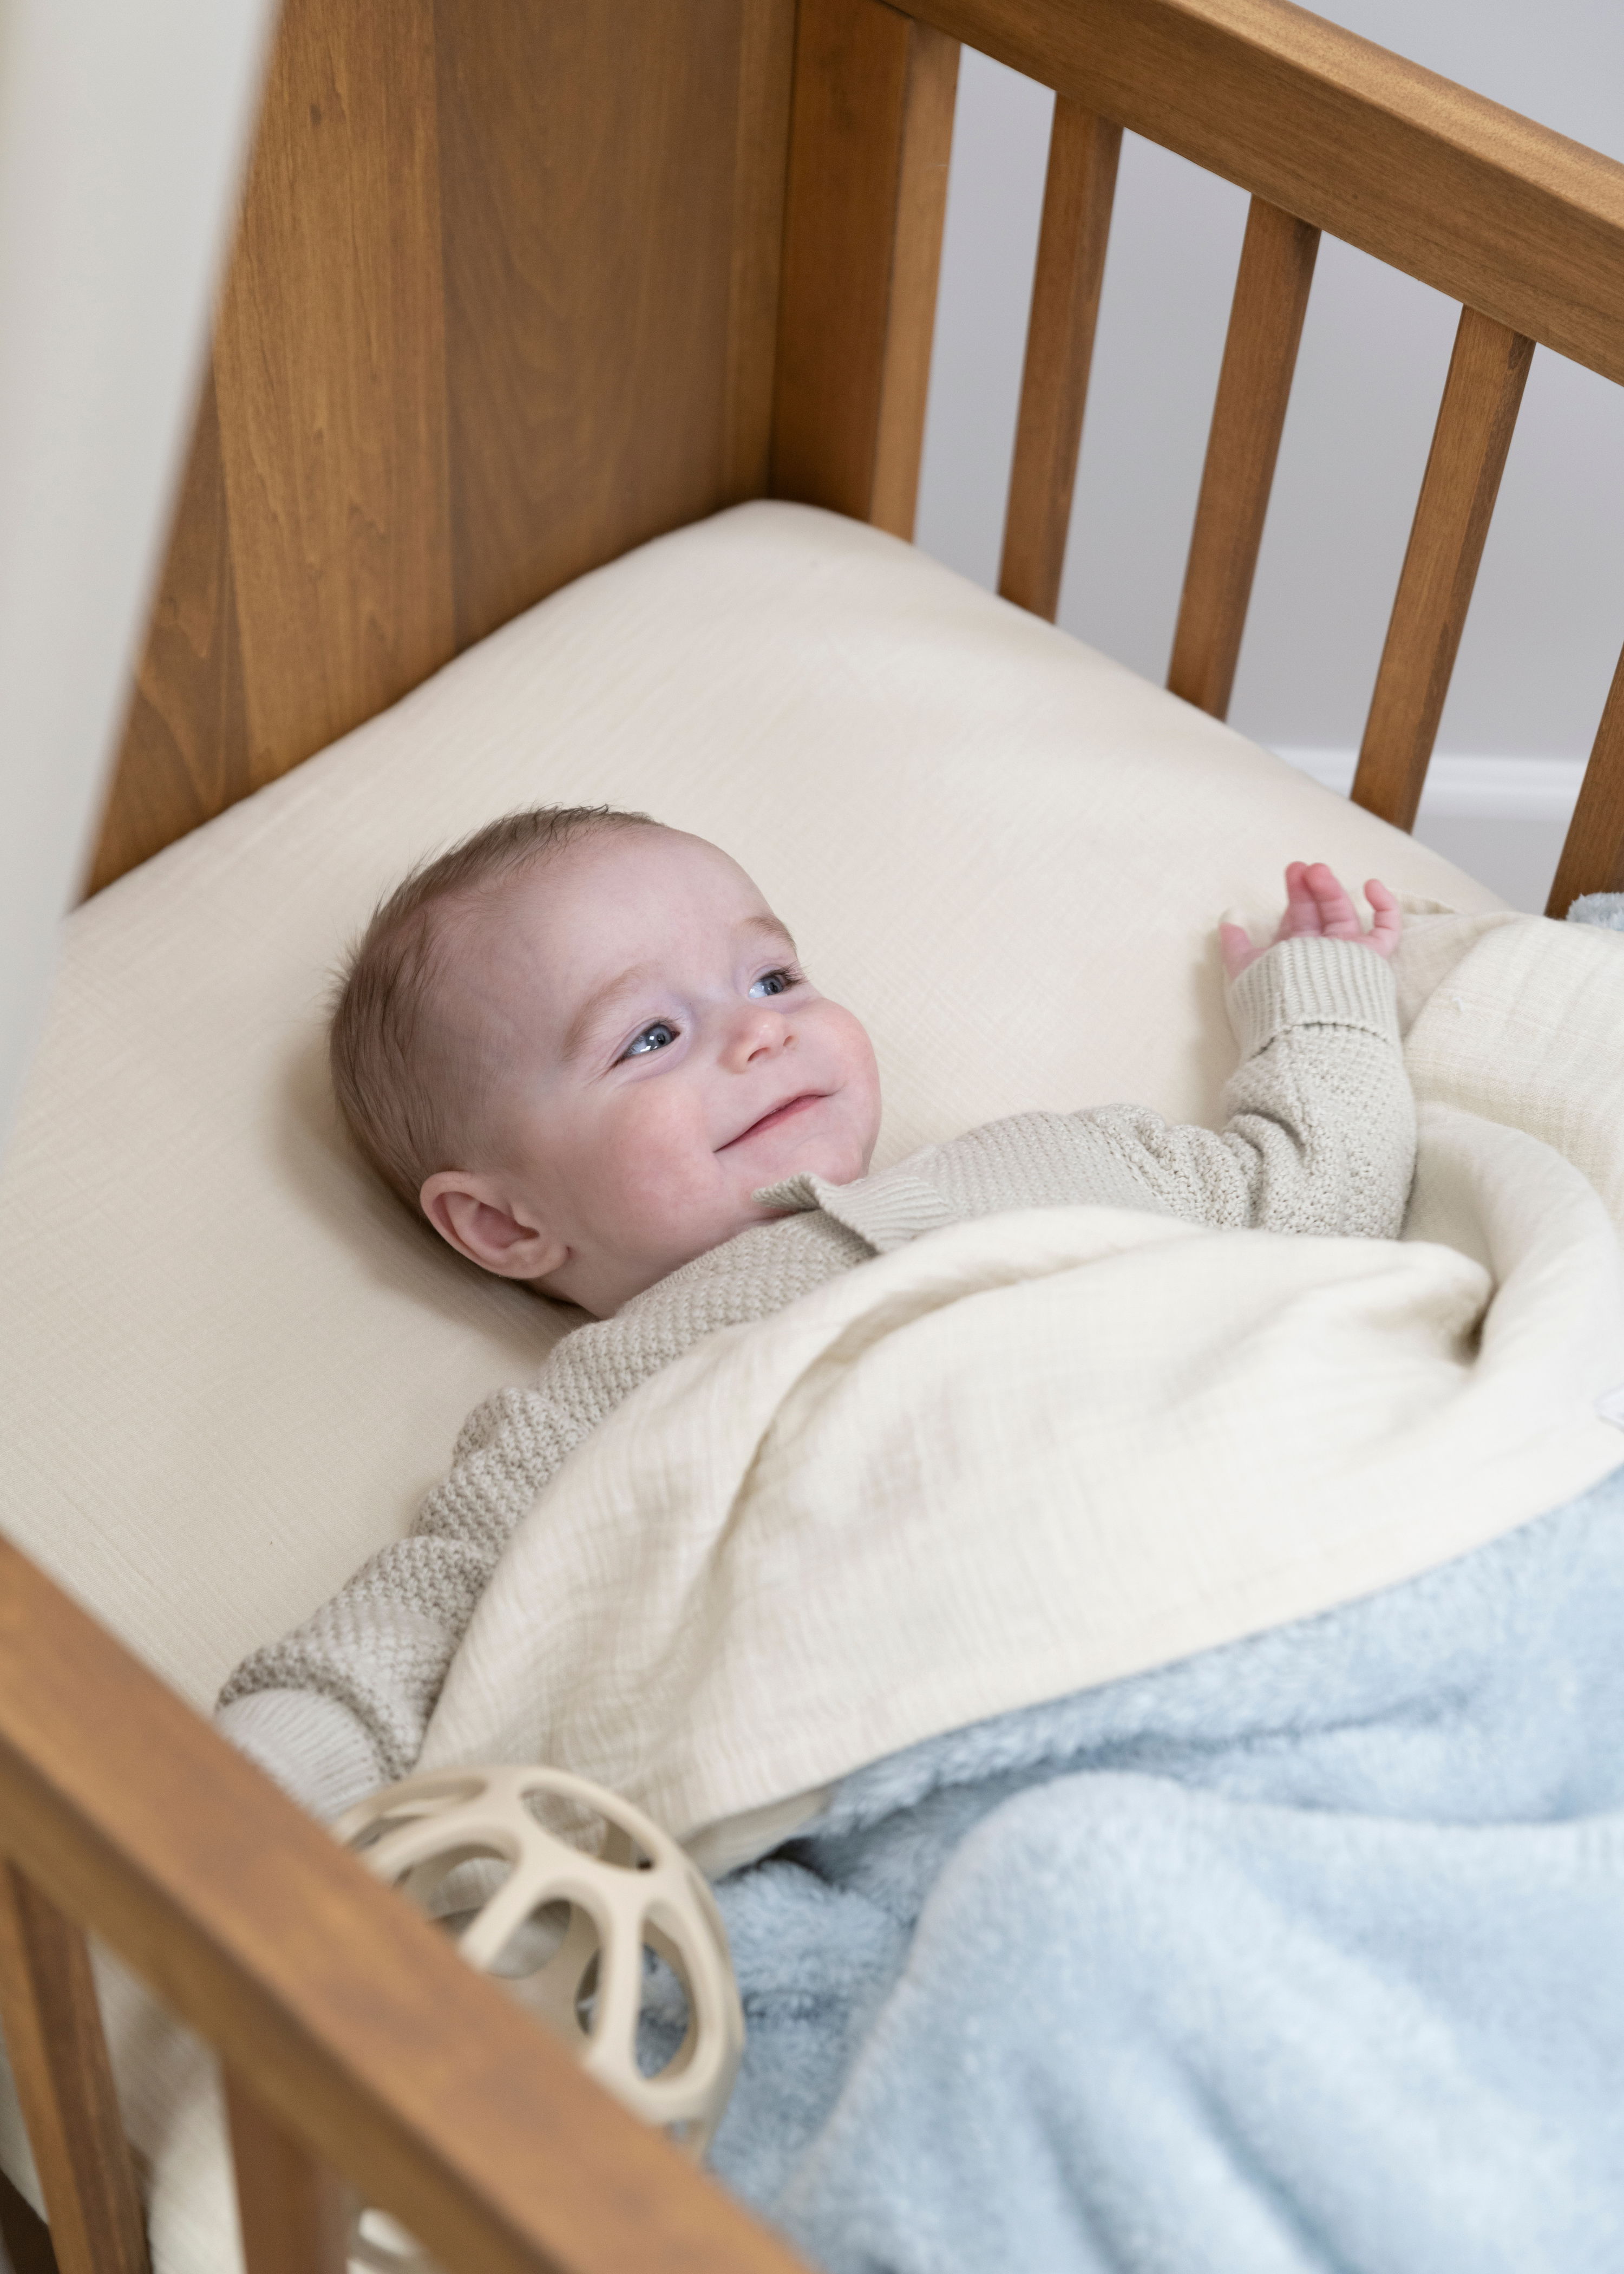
{"x": 230, "y": 1366}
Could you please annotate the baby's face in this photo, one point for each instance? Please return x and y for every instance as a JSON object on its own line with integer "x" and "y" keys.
{"x": 659, "y": 1056}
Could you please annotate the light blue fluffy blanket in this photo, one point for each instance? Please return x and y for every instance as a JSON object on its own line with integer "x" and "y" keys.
{"x": 1307, "y": 1952}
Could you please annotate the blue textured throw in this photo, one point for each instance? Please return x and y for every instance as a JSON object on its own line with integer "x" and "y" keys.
{"x": 1604, "y": 908}
{"x": 1305, "y": 1954}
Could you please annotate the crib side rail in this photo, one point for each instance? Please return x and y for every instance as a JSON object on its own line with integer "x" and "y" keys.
{"x": 1472, "y": 199}
{"x": 359, "y": 2047}
{"x": 1328, "y": 132}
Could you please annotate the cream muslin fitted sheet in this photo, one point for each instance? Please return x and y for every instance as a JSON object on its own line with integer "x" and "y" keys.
{"x": 230, "y": 1367}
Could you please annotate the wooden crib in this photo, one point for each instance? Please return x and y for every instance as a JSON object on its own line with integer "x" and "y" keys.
{"x": 518, "y": 285}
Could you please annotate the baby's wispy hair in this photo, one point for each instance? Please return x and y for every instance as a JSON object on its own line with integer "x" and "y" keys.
{"x": 405, "y": 1084}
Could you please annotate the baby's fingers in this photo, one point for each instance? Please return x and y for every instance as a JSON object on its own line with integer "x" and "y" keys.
{"x": 1386, "y": 919}
{"x": 1339, "y": 919}
{"x": 1301, "y": 908}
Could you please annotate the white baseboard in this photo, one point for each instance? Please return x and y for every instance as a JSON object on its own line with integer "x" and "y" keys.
{"x": 1460, "y": 788}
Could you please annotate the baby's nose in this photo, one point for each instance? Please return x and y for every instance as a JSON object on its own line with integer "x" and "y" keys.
{"x": 760, "y": 1033}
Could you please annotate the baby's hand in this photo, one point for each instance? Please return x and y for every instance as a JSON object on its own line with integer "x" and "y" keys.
{"x": 1317, "y": 905}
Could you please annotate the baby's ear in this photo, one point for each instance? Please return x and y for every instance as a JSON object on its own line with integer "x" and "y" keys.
{"x": 484, "y": 1222}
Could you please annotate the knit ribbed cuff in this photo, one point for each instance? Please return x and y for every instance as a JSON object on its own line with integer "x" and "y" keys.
{"x": 1313, "y": 982}
{"x": 887, "y": 1210}
{"x": 309, "y": 1745}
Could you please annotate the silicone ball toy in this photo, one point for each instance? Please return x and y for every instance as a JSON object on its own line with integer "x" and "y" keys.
{"x": 578, "y": 1903}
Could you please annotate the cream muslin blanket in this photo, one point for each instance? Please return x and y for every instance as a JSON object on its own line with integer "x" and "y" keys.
{"x": 1034, "y": 1452}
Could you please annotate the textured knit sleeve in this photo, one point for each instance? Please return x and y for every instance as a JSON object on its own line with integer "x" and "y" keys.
{"x": 1321, "y": 1131}
{"x": 340, "y": 1705}
{"x": 1320, "y": 1127}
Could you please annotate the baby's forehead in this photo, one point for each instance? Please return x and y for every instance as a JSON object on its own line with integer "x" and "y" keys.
{"x": 629, "y": 882}
{"x": 600, "y": 912}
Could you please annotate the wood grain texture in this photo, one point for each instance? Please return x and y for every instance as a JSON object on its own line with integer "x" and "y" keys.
{"x": 1249, "y": 415}
{"x": 294, "y": 2213}
{"x": 58, "y": 2058}
{"x": 503, "y": 304}
{"x": 361, "y": 2031}
{"x": 185, "y": 753}
{"x": 1472, "y": 198}
{"x": 761, "y": 169}
{"x": 329, "y": 362}
{"x": 1078, "y": 193}
{"x": 1593, "y": 850}
{"x": 1487, "y": 373}
{"x": 923, "y": 161}
{"x": 591, "y": 159}
{"x": 870, "y": 136}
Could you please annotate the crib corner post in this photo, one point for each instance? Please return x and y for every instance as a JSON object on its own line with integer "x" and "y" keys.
{"x": 870, "y": 134}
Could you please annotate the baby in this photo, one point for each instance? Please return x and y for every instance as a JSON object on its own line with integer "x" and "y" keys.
{"x": 580, "y": 1044}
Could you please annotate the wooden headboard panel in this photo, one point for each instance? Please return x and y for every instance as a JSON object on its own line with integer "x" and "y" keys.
{"x": 501, "y": 305}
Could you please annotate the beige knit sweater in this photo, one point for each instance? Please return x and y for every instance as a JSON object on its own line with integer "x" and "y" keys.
{"x": 1320, "y": 1138}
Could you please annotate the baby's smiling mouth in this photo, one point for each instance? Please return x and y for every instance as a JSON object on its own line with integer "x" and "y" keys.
{"x": 779, "y": 1114}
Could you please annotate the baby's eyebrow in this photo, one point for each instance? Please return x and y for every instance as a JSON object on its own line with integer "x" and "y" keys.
{"x": 771, "y": 927}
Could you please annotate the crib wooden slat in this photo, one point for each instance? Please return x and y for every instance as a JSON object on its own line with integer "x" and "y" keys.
{"x": 1593, "y": 850}
{"x": 1255, "y": 386}
{"x": 1083, "y": 152}
{"x": 363, "y": 2034}
{"x": 870, "y": 134}
{"x": 1487, "y": 372}
{"x": 295, "y": 2213}
{"x": 52, "y": 2022}
{"x": 925, "y": 148}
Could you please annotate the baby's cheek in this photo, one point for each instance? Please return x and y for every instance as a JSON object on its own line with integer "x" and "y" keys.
{"x": 655, "y": 1163}
{"x": 850, "y": 1038}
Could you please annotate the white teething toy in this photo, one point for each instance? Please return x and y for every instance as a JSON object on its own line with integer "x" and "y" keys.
{"x": 587, "y": 1886}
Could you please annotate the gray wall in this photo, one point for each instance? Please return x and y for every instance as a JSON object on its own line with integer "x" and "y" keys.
{"x": 1548, "y": 618}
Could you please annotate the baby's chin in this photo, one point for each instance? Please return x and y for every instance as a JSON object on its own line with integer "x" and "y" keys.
{"x": 836, "y": 1162}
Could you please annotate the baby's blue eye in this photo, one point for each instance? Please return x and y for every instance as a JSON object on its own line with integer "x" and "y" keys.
{"x": 774, "y": 982}
{"x": 659, "y": 1036}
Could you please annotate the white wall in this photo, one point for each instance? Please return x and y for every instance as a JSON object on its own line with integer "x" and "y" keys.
{"x": 1548, "y": 618}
